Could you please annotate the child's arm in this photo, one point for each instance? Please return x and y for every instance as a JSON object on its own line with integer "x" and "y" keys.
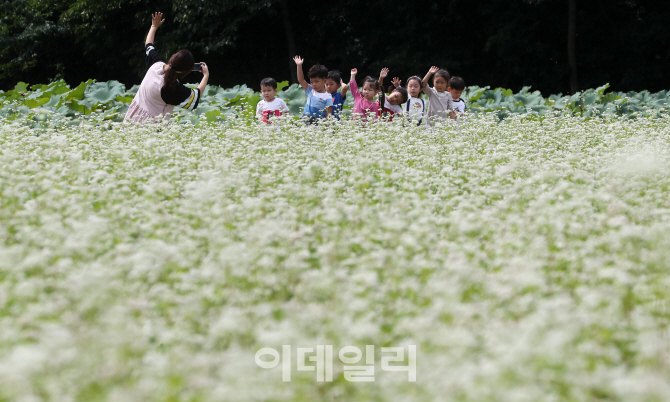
{"x": 344, "y": 89}
{"x": 450, "y": 108}
{"x": 396, "y": 82}
{"x": 259, "y": 114}
{"x": 430, "y": 73}
{"x": 382, "y": 75}
{"x": 329, "y": 111}
{"x": 284, "y": 108}
{"x": 156, "y": 21}
{"x": 301, "y": 78}
{"x": 353, "y": 86}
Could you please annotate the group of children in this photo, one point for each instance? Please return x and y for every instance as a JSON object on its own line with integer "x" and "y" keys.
{"x": 326, "y": 93}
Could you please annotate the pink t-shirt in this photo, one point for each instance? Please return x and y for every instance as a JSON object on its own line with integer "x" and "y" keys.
{"x": 147, "y": 105}
{"x": 361, "y": 106}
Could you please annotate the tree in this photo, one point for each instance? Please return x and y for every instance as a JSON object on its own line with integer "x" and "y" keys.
{"x": 572, "y": 45}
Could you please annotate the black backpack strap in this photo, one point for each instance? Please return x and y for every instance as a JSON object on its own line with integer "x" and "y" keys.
{"x": 423, "y": 110}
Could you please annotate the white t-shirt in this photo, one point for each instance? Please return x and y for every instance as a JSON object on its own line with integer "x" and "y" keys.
{"x": 264, "y": 109}
{"x": 459, "y": 105}
{"x": 396, "y": 109}
{"x": 415, "y": 109}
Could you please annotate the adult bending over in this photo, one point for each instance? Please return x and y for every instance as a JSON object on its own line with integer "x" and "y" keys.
{"x": 161, "y": 90}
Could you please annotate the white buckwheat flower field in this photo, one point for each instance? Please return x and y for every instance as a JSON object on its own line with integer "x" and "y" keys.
{"x": 527, "y": 259}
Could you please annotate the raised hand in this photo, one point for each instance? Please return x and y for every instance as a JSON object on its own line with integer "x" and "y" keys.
{"x": 396, "y": 82}
{"x": 157, "y": 19}
{"x": 384, "y": 72}
{"x": 433, "y": 70}
{"x": 354, "y": 71}
{"x": 298, "y": 60}
{"x": 205, "y": 69}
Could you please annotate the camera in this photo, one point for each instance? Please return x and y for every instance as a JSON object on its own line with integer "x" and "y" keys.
{"x": 197, "y": 67}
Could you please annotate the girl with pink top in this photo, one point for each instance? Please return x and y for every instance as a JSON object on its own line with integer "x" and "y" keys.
{"x": 364, "y": 100}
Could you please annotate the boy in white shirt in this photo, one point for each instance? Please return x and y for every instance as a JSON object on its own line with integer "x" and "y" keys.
{"x": 270, "y": 105}
{"x": 456, "y": 87}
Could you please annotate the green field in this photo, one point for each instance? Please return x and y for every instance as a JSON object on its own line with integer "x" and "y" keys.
{"x": 528, "y": 259}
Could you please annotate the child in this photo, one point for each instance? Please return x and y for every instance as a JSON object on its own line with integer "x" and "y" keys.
{"x": 456, "y": 87}
{"x": 390, "y": 105}
{"x": 415, "y": 108}
{"x": 270, "y": 106}
{"x": 440, "y": 103}
{"x": 319, "y": 102}
{"x": 364, "y": 101}
{"x": 338, "y": 90}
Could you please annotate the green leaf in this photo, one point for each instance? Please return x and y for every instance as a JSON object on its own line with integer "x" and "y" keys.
{"x": 20, "y": 87}
{"x": 33, "y": 103}
{"x": 78, "y": 93}
{"x": 212, "y": 115}
{"x": 124, "y": 99}
{"x": 282, "y": 85}
{"x": 590, "y": 97}
{"x": 104, "y": 92}
{"x": 294, "y": 92}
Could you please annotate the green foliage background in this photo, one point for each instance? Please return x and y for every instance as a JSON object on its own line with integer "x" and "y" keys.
{"x": 509, "y": 44}
{"x": 101, "y": 102}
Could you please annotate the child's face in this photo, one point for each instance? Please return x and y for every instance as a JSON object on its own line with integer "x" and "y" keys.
{"x": 414, "y": 88}
{"x": 368, "y": 92}
{"x": 440, "y": 84}
{"x": 455, "y": 93}
{"x": 318, "y": 84}
{"x": 395, "y": 98}
{"x": 268, "y": 93}
{"x": 331, "y": 86}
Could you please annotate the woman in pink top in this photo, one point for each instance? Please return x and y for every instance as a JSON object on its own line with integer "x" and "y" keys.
{"x": 161, "y": 90}
{"x": 364, "y": 101}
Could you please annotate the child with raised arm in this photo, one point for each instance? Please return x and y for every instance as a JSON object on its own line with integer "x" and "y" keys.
{"x": 270, "y": 105}
{"x": 390, "y": 105}
{"x": 338, "y": 89}
{"x": 416, "y": 106}
{"x": 364, "y": 100}
{"x": 440, "y": 105}
{"x": 319, "y": 102}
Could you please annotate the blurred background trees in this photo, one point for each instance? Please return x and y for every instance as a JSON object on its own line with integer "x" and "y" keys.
{"x": 491, "y": 42}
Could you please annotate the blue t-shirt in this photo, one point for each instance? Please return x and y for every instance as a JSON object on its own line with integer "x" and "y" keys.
{"x": 317, "y": 103}
{"x": 338, "y": 102}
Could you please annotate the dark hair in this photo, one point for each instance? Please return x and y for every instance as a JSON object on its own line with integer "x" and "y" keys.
{"x": 457, "y": 83}
{"x": 181, "y": 63}
{"x": 373, "y": 81}
{"x": 414, "y": 77}
{"x": 269, "y": 82}
{"x": 442, "y": 73}
{"x": 403, "y": 93}
{"x": 318, "y": 71}
{"x": 334, "y": 75}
